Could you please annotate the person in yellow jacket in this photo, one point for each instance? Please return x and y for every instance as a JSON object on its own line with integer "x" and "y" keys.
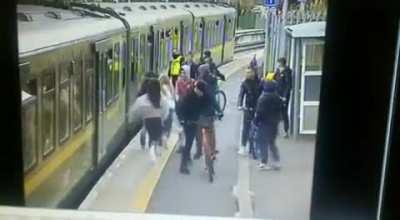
{"x": 175, "y": 66}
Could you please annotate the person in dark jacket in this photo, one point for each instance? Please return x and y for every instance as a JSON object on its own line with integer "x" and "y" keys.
{"x": 283, "y": 76}
{"x": 189, "y": 110}
{"x": 193, "y": 66}
{"x": 254, "y": 65}
{"x": 266, "y": 119}
{"x": 249, "y": 90}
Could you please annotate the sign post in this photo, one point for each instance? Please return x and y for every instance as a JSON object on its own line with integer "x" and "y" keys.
{"x": 270, "y": 3}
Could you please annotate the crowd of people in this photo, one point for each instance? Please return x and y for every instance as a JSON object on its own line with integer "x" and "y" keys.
{"x": 264, "y": 103}
{"x": 188, "y": 91}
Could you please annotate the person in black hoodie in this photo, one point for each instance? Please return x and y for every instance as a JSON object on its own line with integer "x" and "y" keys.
{"x": 250, "y": 91}
{"x": 266, "y": 119}
{"x": 196, "y": 103}
{"x": 283, "y": 77}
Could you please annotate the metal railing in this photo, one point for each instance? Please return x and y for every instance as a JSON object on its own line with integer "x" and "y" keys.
{"x": 249, "y": 39}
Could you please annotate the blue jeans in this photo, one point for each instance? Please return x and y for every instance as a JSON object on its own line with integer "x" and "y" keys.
{"x": 265, "y": 138}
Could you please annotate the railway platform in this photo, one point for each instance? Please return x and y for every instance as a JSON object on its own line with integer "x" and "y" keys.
{"x": 134, "y": 184}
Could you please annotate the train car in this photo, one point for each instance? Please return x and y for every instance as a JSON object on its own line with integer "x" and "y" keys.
{"x": 159, "y": 30}
{"x": 80, "y": 70}
{"x": 213, "y": 30}
{"x": 66, "y": 135}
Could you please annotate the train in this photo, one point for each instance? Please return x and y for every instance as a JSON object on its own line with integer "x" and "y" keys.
{"x": 80, "y": 69}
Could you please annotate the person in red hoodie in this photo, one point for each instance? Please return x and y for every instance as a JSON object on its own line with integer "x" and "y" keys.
{"x": 184, "y": 85}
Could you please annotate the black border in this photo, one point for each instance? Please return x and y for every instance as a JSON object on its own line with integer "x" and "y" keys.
{"x": 355, "y": 93}
{"x": 11, "y": 165}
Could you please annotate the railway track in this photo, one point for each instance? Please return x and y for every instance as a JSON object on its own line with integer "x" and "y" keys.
{"x": 249, "y": 39}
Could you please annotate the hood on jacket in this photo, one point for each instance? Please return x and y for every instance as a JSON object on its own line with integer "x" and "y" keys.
{"x": 269, "y": 86}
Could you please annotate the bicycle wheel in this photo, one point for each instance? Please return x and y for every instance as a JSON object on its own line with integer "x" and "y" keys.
{"x": 221, "y": 99}
{"x": 210, "y": 169}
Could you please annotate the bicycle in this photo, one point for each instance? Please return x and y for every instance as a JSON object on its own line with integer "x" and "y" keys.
{"x": 220, "y": 96}
{"x": 207, "y": 141}
{"x": 252, "y": 149}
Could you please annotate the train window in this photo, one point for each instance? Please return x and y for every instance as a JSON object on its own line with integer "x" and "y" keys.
{"x": 108, "y": 73}
{"x": 116, "y": 69}
{"x": 66, "y": 70}
{"x": 48, "y": 111}
{"x": 187, "y": 6}
{"x": 197, "y": 5}
{"x": 29, "y": 119}
{"x": 135, "y": 59}
{"x": 172, "y": 6}
{"x": 163, "y": 6}
{"x": 153, "y": 7}
{"x": 24, "y": 17}
{"x": 187, "y": 39}
{"x": 148, "y": 53}
{"x": 127, "y": 8}
{"x": 89, "y": 87}
{"x": 190, "y": 36}
{"x": 77, "y": 96}
{"x": 29, "y": 128}
{"x": 142, "y": 56}
{"x": 124, "y": 62}
{"x": 142, "y": 7}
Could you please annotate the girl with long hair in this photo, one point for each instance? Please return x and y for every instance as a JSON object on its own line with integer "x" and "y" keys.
{"x": 152, "y": 109}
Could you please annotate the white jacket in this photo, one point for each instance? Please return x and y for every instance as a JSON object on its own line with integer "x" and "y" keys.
{"x": 143, "y": 108}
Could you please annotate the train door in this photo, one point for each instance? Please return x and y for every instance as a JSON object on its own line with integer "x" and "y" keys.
{"x": 203, "y": 31}
{"x": 181, "y": 37}
{"x": 134, "y": 67}
{"x": 103, "y": 60}
{"x": 150, "y": 44}
{"x": 223, "y": 28}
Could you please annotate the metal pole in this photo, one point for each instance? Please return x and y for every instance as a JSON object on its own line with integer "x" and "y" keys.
{"x": 283, "y": 35}
{"x": 266, "y": 38}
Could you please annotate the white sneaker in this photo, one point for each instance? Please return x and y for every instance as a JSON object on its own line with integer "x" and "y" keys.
{"x": 152, "y": 153}
{"x": 276, "y": 166}
{"x": 263, "y": 166}
{"x": 242, "y": 150}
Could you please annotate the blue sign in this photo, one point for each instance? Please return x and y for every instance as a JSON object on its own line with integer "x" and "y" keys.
{"x": 270, "y": 3}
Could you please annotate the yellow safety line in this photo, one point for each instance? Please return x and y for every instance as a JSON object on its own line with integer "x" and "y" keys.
{"x": 146, "y": 188}
{"x": 68, "y": 150}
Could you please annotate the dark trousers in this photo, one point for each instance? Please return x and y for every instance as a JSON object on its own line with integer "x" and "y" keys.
{"x": 247, "y": 118}
{"x": 174, "y": 79}
{"x": 285, "y": 114}
{"x": 167, "y": 124}
{"x": 199, "y": 144}
{"x": 190, "y": 130}
{"x": 153, "y": 126}
{"x": 154, "y": 129}
{"x": 265, "y": 141}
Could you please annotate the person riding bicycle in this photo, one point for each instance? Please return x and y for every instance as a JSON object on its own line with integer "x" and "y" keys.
{"x": 207, "y": 59}
{"x": 209, "y": 76}
{"x": 193, "y": 110}
{"x": 250, "y": 91}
